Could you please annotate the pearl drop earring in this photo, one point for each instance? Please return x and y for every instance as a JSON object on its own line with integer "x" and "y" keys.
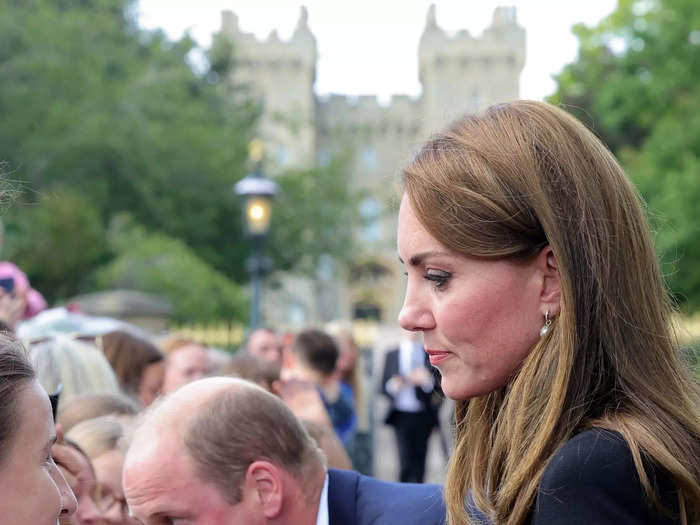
{"x": 547, "y": 323}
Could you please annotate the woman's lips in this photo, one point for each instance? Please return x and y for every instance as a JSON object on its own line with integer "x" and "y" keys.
{"x": 437, "y": 356}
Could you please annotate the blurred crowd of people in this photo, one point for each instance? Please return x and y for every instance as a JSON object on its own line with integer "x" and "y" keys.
{"x": 102, "y": 376}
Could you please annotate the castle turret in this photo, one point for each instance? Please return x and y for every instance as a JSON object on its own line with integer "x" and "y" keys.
{"x": 281, "y": 75}
{"x": 462, "y": 73}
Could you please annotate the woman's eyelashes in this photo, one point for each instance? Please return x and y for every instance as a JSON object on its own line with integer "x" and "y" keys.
{"x": 437, "y": 277}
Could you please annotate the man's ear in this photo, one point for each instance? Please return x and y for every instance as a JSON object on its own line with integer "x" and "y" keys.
{"x": 550, "y": 297}
{"x": 263, "y": 488}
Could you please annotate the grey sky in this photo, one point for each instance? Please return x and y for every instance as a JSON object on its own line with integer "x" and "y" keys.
{"x": 370, "y": 46}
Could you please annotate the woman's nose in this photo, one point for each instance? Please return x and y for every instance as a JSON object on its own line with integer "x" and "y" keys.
{"x": 68, "y": 501}
{"x": 414, "y": 316}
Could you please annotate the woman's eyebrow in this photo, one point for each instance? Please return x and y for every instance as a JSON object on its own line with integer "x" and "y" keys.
{"x": 417, "y": 259}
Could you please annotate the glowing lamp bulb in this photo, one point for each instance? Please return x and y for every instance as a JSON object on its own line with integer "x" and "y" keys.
{"x": 257, "y": 212}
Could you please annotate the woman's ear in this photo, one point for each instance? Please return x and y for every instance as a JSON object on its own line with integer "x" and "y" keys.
{"x": 551, "y": 283}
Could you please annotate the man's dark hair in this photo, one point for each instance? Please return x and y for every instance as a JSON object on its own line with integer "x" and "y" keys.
{"x": 316, "y": 349}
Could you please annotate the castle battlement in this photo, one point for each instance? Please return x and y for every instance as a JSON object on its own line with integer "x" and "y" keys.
{"x": 367, "y": 113}
{"x": 299, "y": 48}
{"x": 502, "y": 43}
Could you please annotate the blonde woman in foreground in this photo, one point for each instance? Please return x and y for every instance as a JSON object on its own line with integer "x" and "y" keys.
{"x": 532, "y": 275}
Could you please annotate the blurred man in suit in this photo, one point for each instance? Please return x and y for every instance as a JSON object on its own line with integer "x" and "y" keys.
{"x": 410, "y": 384}
{"x": 222, "y": 450}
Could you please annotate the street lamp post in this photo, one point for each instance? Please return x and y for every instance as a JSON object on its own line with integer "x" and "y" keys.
{"x": 258, "y": 192}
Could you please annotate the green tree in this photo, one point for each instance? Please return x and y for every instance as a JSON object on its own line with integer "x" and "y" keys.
{"x": 636, "y": 82}
{"x": 315, "y": 215}
{"x": 90, "y": 101}
{"x": 114, "y": 118}
{"x": 59, "y": 241}
{"x": 157, "y": 263}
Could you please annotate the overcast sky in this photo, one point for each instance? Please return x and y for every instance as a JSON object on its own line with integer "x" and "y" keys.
{"x": 371, "y": 46}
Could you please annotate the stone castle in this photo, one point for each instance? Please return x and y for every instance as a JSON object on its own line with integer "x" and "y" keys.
{"x": 459, "y": 73}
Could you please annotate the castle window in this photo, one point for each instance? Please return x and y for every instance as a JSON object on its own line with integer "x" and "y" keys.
{"x": 367, "y": 311}
{"x": 297, "y": 313}
{"x": 282, "y": 155}
{"x": 369, "y": 157}
{"x": 370, "y": 212}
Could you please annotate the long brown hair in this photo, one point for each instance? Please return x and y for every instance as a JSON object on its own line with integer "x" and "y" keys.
{"x": 505, "y": 183}
{"x": 129, "y": 356}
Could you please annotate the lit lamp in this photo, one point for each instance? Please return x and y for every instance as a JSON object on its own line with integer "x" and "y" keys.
{"x": 258, "y": 193}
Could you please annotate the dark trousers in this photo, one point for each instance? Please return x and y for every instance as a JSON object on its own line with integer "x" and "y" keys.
{"x": 412, "y": 432}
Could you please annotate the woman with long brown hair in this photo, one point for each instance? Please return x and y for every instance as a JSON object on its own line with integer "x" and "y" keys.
{"x": 532, "y": 275}
{"x": 137, "y": 362}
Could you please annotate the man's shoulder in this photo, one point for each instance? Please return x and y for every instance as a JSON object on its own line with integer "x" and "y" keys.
{"x": 380, "y": 502}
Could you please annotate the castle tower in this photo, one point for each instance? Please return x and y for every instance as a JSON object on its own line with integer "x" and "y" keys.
{"x": 281, "y": 75}
{"x": 462, "y": 73}
{"x": 458, "y": 73}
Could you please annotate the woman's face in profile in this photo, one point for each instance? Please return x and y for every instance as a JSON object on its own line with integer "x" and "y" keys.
{"x": 32, "y": 489}
{"x": 480, "y": 318}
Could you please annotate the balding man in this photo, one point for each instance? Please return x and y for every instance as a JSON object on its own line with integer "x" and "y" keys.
{"x": 222, "y": 451}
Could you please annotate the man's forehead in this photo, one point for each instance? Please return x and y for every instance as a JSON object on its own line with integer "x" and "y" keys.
{"x": 264, "y": 334}
{"x": 162, "y": 427}
{"x": 156, "y": 483}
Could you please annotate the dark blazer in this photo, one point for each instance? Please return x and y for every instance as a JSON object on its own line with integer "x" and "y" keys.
{"x": 354, "y": 499}
{"x": 591, "y": 480}
{"x": 431, "y": 402}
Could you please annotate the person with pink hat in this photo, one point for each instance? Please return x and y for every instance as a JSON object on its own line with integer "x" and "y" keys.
{"x": 18, "y": 300}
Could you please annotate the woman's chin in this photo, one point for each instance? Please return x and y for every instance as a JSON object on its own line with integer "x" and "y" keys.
{"x": 460, "y": 390}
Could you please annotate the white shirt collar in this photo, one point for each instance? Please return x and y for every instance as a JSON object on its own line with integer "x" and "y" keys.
{"x": 322, "y": 517}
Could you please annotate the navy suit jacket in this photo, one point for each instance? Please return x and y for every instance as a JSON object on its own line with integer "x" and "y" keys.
{"x": 354, "y": 499}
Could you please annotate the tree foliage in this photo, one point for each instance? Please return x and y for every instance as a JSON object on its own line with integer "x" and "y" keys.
{"x": 157, "y": 263}
{"x": 101, "y": 118}
{"x": 59, "y": 240}
{"x": 315, "y": 215}
{"x": 636, "y": 83}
